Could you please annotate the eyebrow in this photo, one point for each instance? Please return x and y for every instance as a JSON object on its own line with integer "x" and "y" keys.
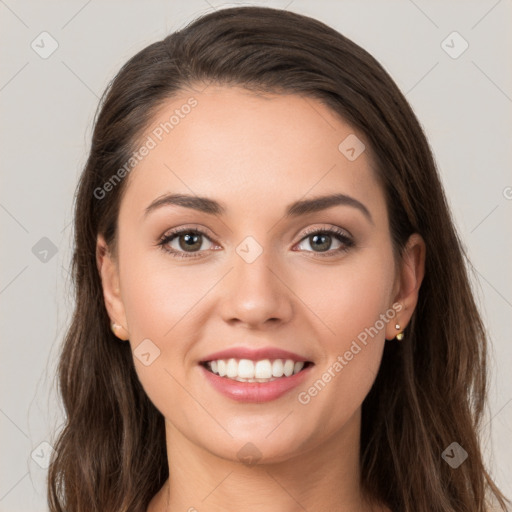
{"x": 296, "y": 209}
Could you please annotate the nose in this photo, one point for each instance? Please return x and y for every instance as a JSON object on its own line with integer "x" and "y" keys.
{"x": 256, "y": 294}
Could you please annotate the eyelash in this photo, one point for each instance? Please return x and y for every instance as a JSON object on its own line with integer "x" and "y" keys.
{"x": 336, "y": 232}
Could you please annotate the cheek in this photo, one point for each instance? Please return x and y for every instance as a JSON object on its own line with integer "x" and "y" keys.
{"x": 157, "y": 293}
{"x": 350, "y": 298}
{"x": 352, "y": 303}
{"x": 158, "y": 301}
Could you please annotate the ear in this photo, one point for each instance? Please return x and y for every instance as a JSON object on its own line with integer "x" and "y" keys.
{"x": 407, "y": 284}
{"x": 109, "y": 273}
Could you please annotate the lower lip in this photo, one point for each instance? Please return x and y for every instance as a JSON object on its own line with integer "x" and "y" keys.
{"x": 255, "y": 391}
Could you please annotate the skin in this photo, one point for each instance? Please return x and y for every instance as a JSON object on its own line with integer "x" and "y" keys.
{"x": 257, "y": 154}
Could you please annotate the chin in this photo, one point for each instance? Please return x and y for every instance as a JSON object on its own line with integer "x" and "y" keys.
{"x": 252, "y": 450}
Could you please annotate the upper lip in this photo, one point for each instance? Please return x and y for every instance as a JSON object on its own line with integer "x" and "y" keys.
{"x": 254, "y": 354}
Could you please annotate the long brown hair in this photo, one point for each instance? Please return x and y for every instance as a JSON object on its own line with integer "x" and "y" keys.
{"x": 431, "y": 388}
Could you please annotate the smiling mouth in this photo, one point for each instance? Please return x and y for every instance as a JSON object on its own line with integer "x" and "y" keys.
{"x": 246, "y": 370}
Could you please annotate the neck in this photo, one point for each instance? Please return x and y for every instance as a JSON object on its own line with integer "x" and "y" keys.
{"x": 326, "y": 477}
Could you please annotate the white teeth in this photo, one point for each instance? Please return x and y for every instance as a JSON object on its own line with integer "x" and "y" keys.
{"x": 245, "y": 370}
{"x": 277, "y": 368}
{"x": 288, "y": 367}
{"x": 232, "y": 369}
{"x": 262, "y": 369}
{"x": 221, "y": 367}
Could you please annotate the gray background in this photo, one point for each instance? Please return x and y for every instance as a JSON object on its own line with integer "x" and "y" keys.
{"x": 47, "y": 107}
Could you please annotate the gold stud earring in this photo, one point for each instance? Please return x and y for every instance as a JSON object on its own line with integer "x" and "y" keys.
{"x": 400, "y": 335}
{"x": 115, "y": 328}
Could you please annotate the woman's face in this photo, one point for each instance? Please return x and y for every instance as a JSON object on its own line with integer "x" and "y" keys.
{"x": 266, "y": 272}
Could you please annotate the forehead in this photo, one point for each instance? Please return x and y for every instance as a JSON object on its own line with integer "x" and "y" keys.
{"x": 251, "y": 151}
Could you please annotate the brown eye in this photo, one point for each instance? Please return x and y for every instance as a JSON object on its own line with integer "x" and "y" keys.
{"x": 180, "y": 242}
{"x": 190, "y": 241}
{"x": 321, "y": 241}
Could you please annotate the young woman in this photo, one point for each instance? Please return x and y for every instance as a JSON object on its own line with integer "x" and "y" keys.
{"x": 273, "y": 311}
